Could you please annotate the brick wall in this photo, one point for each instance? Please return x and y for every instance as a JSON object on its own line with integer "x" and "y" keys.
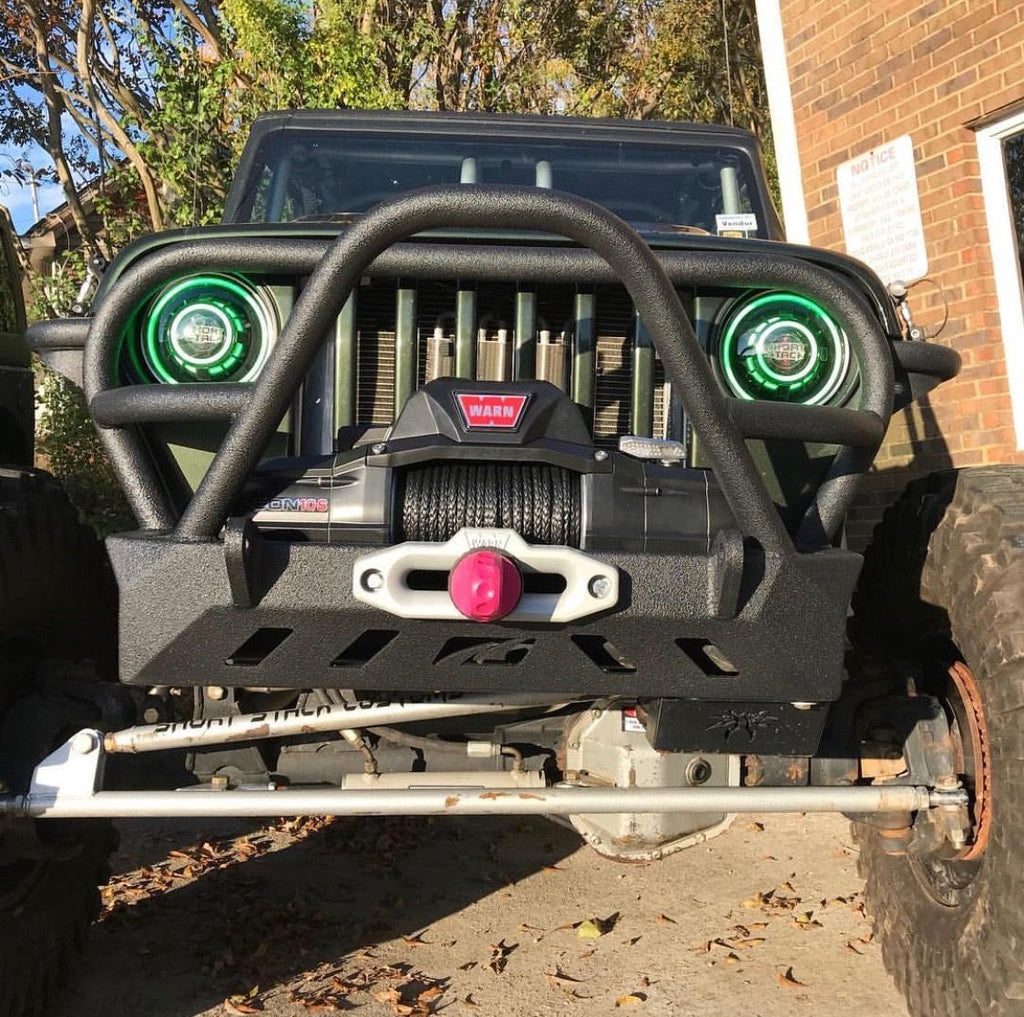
{"x": 863, "y": 74}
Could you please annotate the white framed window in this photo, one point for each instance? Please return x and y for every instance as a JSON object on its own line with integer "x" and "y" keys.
{"x": 1001, "y": 158}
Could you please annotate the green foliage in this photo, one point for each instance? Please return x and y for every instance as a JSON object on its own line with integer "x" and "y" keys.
{"x": 193, "y": 138}
{"x": 172, "y": 86}
{"x": 52, "y": 293}
{"x": 66, "y": 442}
{"x": 69, "y": 447}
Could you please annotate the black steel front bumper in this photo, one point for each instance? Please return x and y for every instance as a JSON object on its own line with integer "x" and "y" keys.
{"x": 258, "y": 613}
{"x": 197, "y": 586}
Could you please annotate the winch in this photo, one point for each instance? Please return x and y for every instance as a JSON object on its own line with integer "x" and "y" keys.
{"x": 507, "y": 455}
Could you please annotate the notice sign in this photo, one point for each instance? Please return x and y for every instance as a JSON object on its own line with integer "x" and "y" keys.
{"x": 881, "y": 211}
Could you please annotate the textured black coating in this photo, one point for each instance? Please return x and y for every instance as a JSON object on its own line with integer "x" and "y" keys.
{"x": 826, "y": 513}
{"x": 675, "y": 725}
{"x": 917, "y": 357}
{"x": 546, "y": 261}
{"x": 140, "y": 404}
{"x": 357, "y": 252}
{"x": 58, "y": 334}
{"x": 830, "y": 424}
{"x": 179, "y": 625}
{"x": 854, "y": 272}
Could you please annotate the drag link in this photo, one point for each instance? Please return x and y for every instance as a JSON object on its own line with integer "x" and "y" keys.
{"x": 299, "y": 720}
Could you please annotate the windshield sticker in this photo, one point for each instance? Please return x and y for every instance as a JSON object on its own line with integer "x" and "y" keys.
{"x": 737, "y": 224}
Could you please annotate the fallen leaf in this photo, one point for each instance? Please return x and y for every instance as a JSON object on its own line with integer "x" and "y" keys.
{"x": 744, "y": 931}
{"x": 632, "y": 999}
{"x": 773, "y": 900}
{"x": 634, "y": 941}
{"x": 594, "y": 928}
{"x": 468, "y": 1000}
{"x": 416, "y": 939}
{"x": 665, "y": 920}
{"x": 828, "y": 902}
{"x": 755, "y": 827}
{"x": 468, "y": 966}
{"x": 789, "y": 980}
{"x": 526, "y": 927}
{"x": 499, "y": 955}
{"x": 746, "y": 944}
{"x": 236, "y": 1006}
{"x": 558, "y": 978}
{"x": 554, "y": 868}
{"x": 806, "y": 920}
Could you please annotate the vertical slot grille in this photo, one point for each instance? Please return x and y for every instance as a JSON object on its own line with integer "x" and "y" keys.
{"x": 601, "y": 370}
{"x": 375, "y": 354}
{"x": 614, "y": 350}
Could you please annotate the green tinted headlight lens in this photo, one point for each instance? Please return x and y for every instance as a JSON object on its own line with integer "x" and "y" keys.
{"x": 783, "y": 347}
{"x": 207, "y": 328}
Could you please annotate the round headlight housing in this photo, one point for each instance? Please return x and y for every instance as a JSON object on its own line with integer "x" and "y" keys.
{"x": 208, "y": 328}
{"x": 785, "y": 348}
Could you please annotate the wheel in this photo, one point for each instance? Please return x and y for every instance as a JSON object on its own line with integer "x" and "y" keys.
{"x": 57, "y": 632}
{"x": 942, "y": 598}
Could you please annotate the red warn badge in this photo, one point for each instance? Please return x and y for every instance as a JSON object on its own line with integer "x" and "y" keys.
{"x": 489, "y": 410}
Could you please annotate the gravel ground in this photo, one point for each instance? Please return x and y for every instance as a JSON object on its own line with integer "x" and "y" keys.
{"x": 480, "y": 916}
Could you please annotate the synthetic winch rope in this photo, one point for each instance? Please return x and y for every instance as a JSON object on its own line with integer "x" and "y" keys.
{"x": 540, "y": 502}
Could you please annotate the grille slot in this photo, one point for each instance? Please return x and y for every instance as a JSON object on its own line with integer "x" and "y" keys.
{"x": 588, "y": 338}
{"x": 375, "y": 354}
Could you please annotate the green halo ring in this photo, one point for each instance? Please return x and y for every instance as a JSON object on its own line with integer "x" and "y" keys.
{"x": 765, "y": 383}
{"x": 238, "y": 302}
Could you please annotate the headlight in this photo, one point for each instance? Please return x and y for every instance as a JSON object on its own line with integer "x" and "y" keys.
{"x": 783, "y": 347}
{"x": 208, "y": 328}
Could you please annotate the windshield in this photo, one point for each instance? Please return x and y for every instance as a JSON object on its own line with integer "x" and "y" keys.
{"x": 320, "y": 176}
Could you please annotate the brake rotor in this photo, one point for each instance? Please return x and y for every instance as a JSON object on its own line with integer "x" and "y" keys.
{"x": 975, "y": 737}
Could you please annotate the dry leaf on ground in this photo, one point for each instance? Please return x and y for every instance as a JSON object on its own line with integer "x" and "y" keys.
{"x": 237, "y": 1005}
{"x": 500, "y": 953}
{"x": 632, "y": 999}
{"x": 595, "y": 928}
{"x": 788, "y": 980}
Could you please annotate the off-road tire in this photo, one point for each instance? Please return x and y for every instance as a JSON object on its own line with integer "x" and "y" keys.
{"x": 57, "y": 612}
{"x": 946, "y": 569}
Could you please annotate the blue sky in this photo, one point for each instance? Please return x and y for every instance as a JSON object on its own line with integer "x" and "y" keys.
{"x": 17, "y": 197}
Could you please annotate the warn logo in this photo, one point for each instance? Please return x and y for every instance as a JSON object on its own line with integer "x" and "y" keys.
{"x": 485, "y": 411}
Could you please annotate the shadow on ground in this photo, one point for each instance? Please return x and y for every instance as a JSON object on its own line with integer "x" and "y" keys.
{"x": 227, "y": 921}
